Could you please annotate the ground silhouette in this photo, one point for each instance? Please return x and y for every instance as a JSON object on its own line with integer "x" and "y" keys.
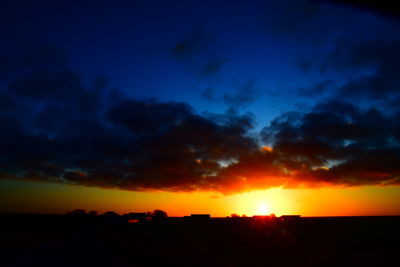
{"x": 82, "y": 240}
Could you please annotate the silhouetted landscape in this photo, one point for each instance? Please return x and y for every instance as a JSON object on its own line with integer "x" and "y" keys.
{"x": 201, "y": 108}
{"x": 197, "y": 240}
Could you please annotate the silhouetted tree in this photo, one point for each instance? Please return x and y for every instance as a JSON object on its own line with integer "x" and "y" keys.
{"x": 111, "y": 214}
{"x": 77, "y": 212}
{"x": 92, "y": 213}
{"x": 157, "y": 215}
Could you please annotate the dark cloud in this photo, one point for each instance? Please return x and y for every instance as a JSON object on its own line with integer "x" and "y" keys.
{"x": 316, "y": 24}
{"x": 387, "y": 8}
{"x": 317, "y": 89}
{"x": 30, "y": 56}
{"x": 54, "y": 127}
{"x": 308, "y": 22}
{"x": 338, "y": 143}
{"x": 60, "y": 130}
{"x": 46, "y": 85}
{"x": 199, "y": 51}
{"x": 209, "y": 94}
{"x": 150, "y": 116}
{"x": 243, "y": 94}
{"x": 371, "y": 64}
{"x": 196, "y": 42}
{"x": 305, "y": 13}
{"x": 213, "y": 66}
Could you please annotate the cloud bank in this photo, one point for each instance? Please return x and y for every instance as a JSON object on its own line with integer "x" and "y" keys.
{"x": 55, "y": 126}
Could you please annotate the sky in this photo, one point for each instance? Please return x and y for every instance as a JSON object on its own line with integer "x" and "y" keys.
{"x": 221, "y": 107}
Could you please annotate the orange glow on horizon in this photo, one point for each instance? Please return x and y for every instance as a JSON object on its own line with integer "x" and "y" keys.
{"x": 41, "y": 197}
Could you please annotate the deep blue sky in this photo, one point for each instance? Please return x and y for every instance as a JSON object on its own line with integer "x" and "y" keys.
{"x": 227, "y": 46}
{"x": 74, "y": 73}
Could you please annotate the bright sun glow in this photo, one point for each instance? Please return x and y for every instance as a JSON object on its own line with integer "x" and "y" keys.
{"x": 263, "y": 209}
{"x": 262, "y": 202}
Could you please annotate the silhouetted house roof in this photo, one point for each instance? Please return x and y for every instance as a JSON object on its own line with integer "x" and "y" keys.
{"x": 173, "y": 219}
{"x": 290, "y": 217}
{"x": 198, "y": 217}
{"x": 203, "y": 216}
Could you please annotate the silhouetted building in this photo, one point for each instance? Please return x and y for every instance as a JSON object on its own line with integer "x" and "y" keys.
{"x": 173, "y": 219}
{"x": 289, "y": 218}
{"x": 201, "y": 216}
{"x": 198, "y": 217}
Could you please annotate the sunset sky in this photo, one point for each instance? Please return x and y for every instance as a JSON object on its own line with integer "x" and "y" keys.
{"x": 220, "y": 107}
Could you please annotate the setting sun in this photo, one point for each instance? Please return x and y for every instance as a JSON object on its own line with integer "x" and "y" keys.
{"x": 263, "y": 209}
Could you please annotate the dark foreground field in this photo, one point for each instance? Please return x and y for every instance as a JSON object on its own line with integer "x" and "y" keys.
{"x": 51, "y": 240}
